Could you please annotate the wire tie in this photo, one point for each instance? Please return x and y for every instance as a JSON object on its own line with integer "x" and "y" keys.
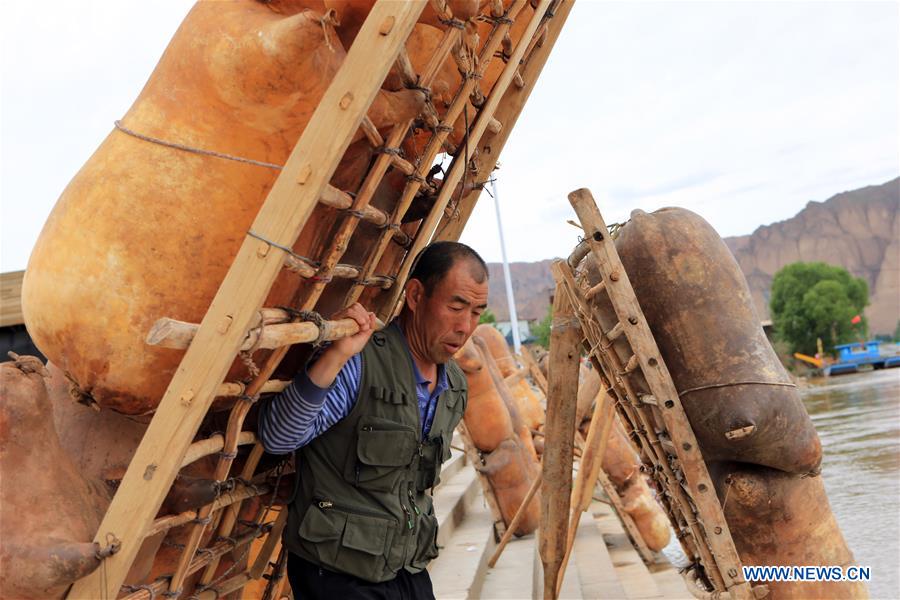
{"x": 249, "y": 399}
{"x": 388, "y": 150}
{"x": 454, "y": 22}
{"x": 192, "y": 149}
{"x": 138, "y": 588}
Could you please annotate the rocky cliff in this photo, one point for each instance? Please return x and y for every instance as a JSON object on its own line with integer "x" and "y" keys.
{"x": 858, "y": 230}
{"x": 532, "y": 287}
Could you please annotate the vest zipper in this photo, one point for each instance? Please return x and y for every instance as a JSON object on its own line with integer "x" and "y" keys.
{"x": 409, "y": 522}
{"x": 412, "y": 501}
{"x": 327, "y": 504}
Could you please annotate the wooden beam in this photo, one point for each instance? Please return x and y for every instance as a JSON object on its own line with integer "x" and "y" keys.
{"x": 11, "y": 299}
{"x": 602, "y": 422}
{"x": 291, "y": 200}
{"x": 628, "y": 523}
{"x": 535, "y": 370}
{"x": 562, "y": 396}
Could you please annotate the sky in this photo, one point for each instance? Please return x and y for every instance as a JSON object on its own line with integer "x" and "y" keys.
{"x": 741, "y": 111}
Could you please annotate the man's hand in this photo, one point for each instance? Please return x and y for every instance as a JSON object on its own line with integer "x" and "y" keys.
{"x": 324, "y": 371}
{"x": 354, "y": 344}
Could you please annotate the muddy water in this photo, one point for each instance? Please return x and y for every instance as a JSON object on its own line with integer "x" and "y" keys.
{"x": 858, "y": 420}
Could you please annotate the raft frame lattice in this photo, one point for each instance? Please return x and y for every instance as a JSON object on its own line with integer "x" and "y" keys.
{"x": 236, "y": 320}
{"x": 670, "y": 453}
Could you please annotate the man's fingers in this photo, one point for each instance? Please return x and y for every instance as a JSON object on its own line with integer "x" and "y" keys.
{"x": 363, "y": 318}
{"x": 368, "y": 322}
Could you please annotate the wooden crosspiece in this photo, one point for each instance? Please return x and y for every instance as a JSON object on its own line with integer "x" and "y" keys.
{"x": 237, "y": 322}
{"x": 678, "y": 467}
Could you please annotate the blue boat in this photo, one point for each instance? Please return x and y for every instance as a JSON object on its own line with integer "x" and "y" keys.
{"x": 858, "y": 354}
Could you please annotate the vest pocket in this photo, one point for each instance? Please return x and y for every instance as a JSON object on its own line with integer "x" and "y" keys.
{"x": 426, "y": 541}
{"x": 456, "y": 402}
{"x": 350, "y": 542}
{"x": 429, "y": 471}
{"x": 383, "y": 449}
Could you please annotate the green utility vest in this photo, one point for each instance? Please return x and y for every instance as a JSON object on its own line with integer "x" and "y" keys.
{"x": 361, "y": 505}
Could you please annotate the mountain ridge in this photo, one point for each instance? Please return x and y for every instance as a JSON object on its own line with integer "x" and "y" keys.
{"x": 857, "y": 229}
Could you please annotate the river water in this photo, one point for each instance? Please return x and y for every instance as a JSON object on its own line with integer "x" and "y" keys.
{"x": 858, "y": 420}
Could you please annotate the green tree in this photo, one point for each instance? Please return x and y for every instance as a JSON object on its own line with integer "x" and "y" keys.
{"x": 487, "y": 317}
{"x": 541, "y": 331}
{"x": 816, "y": 300}
{"x": 897, "y": 332}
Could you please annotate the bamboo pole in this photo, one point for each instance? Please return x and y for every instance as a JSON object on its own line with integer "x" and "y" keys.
{"x": 211, "y": 445}
{"x": 565, "y": 341}
{"x": 290, "y": 202}
{"x": 591, "y": 461}
{"x": 231, "y": 584}
{"x": 309, "y": 270}
{"x": 198, "y": 563}
{"x": 236, "y": 388}
{"x": 262, "y": 559}
{"x": 170, "y": 333}
{"x": 239, "y": 493}
{"x": 230, "y": 516}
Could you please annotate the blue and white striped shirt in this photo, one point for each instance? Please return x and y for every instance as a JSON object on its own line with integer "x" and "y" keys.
{"x": 304, "y": 411}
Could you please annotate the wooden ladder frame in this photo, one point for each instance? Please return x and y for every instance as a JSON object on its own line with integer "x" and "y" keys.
{"x": 688, "y": 494}
{"x": 234, "y": 321}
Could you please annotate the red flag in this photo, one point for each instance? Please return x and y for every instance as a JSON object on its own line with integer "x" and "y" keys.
{"x": 855, "y": 320}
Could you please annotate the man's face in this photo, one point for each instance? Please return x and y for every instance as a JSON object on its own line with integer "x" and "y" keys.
{"x": 443, "y": 321}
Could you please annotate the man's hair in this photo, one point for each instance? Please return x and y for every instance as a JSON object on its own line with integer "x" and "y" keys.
{"x": 436, "y": 260}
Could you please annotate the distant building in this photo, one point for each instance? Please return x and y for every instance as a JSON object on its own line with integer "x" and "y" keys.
{"x": 505, "y": 328}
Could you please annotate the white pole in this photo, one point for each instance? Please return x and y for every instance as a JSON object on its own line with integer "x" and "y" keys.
{"x": 517, "y": 344}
